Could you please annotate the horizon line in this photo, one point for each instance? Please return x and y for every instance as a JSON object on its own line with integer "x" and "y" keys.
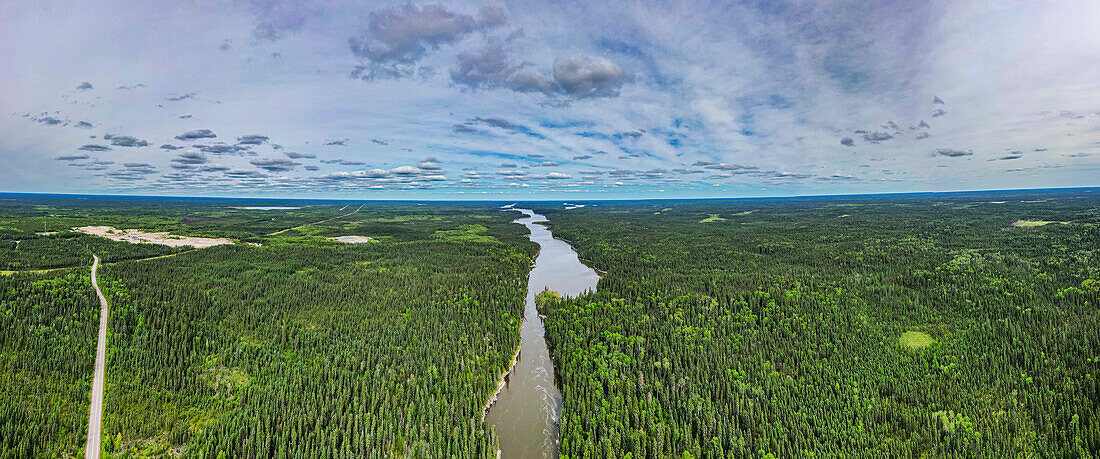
{"x": 793, "y": 196}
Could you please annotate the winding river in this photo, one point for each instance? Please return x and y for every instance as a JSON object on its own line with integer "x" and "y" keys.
{"x": 527, "y": 408}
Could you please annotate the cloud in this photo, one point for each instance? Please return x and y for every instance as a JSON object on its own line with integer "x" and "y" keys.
{"x": 336, "y": 143}
{"x": 190, "y": 158}
{"x": 548, "y": 163}
{"x": 877, "y": 136}
{"x": 379, "y": 142}
{"x": 276, "y": 19}
{"x": 342, "y": 162}
{"x": 938, "y": 112}
{"x": 254, "y": 139}
{"x": 239, "y": 173}
{"x": 583, "y": 76}
{"x": 196, "y": 134}
{"x": 531, "y": 82}
{"x": 951, "y": 153}
{"x": 169, "y": 147}
{"x": 94, "y": 165}
{"x": 371, "y": 174}
{"x": 463, "y": 129}
{"x": 94, "y": 147}
{"x": 430, "y": 164}
{"x": 937, "y": 101}
{"x": 405, "y": 170}
{"x": 730, "y": 167}
{"x": 141, "y": 168}
{"x": 496, "y": 122}
{"x": 1008, "y": 157}
{"x": 848, "y": 142}
{"x": 311, "y": 168}
{"x": 126, "y": 175}
{"x": 485, "y": 68}
{"x": 131, "y": 87}
{"x": 923, "y": 135}
{"x": 84, "y": 125}
{"x": 226, "y": 45}
{"x": 582, "y": 157}
{"x": 924, "y": 125}
{"x": 132, "y": 172}
{"x": 275, "y": 165}
{"x": 578, "y": 76}
{"x": 296, "y": 155}
{"x": 180, "y": 97}
{"x": 125, "y": 141}
{"x": 557, "y": 176}
{"x": 396, "y": 38}
{"x": 84, "y": 86}
{"x": 222, "y": 149}
{"x": 48, "y": 120}
{"x": 72, "y": 157}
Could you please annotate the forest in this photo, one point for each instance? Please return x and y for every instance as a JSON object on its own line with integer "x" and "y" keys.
{"x": 925, "y": 325}
{"x": 299, "y": 347}
{"x": 933, "y": 325}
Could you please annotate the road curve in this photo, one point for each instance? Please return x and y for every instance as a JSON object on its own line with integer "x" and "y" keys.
{"x": 95, "y": 409}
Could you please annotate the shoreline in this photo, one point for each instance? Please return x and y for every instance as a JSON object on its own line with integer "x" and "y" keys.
{"x": 501, "y": 383}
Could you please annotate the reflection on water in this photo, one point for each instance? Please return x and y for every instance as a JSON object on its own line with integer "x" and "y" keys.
{"x": 526, "y": 411}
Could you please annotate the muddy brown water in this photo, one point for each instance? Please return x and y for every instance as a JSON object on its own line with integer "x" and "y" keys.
{"x": 527, "y": 408}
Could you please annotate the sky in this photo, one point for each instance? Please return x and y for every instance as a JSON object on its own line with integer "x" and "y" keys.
{"x": 556, "y": 100}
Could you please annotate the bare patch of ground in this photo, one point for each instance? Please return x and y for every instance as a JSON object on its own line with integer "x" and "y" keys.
{"x": 1034, "y": 223}
{"x": 353, "y": 239}
{"x": 140, "y": 237}
{"x": 712, "y": 218}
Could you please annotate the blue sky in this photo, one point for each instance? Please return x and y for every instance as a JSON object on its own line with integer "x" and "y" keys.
{"x": 555, "y": 100}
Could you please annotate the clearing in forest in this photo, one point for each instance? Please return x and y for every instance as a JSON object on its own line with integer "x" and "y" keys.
{"x": 712, "y": 218}
{"x": 1034, "y": 223}
{"x": 353, "y": 239}
{"x": 916, "y": 340}
{"x": 140, "y": 237}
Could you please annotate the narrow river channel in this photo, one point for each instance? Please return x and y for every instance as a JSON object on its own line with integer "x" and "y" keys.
{"x": 527, "y": 408}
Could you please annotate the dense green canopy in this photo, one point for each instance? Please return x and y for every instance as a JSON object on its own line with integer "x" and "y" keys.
{"x": 780, "y": 331}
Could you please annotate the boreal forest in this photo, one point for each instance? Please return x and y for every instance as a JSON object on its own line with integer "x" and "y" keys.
{"x": 922, "y": 325}
{"x": 933, "y": 325}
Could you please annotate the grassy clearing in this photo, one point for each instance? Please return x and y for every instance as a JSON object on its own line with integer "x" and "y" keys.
{"x": 712, "y": 218}
{"x": 465, "y": 233}
{"x": 1034, "y": 223}
{"x": 915, "y": 340}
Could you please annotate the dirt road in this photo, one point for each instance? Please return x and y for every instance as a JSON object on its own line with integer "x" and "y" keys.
{"x": 319, "y": 222}
{"x": 95, "y": 410}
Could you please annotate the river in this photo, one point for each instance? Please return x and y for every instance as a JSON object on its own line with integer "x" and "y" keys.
{"x": 527, "y": 408}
